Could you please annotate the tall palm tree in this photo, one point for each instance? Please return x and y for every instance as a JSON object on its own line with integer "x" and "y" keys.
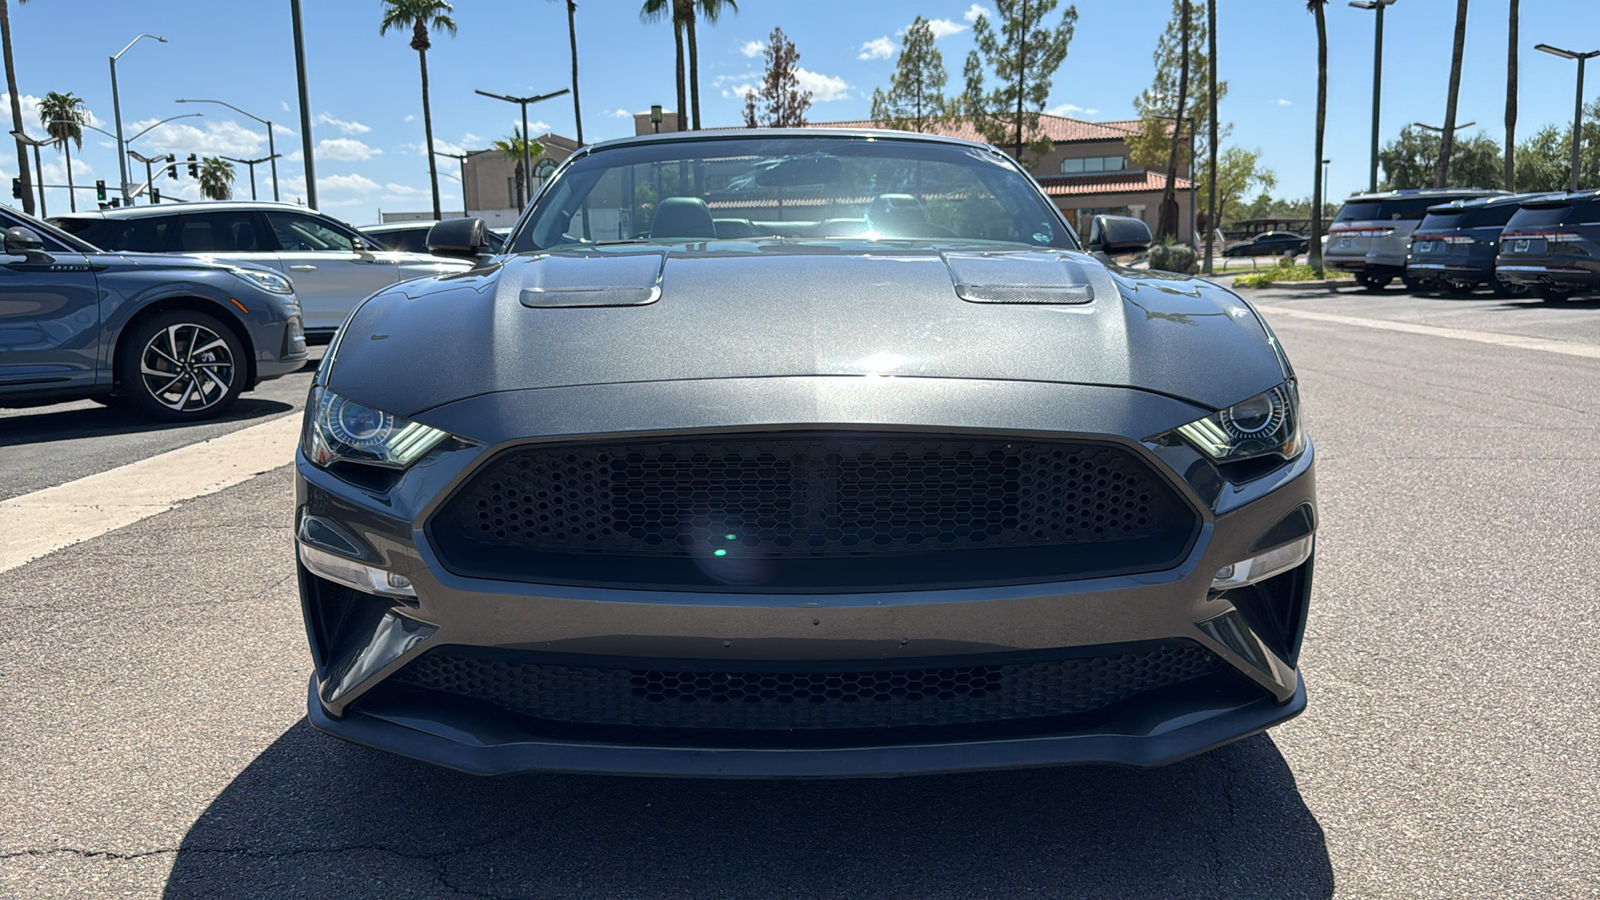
{"x": 510, "y": 147}
{"x": 421, "y": 16}
{"x": 63, "y": 117}
{"x": 1448, "y": 139}
{"x": 16, "y": 105}
{"x": 1511, "y": 102}
{"x": 572, "y": 35}
{"x": 710, "y": 10}
{"x": 1211, "y": 116}
{"x": 1314, "y": 245}
{"x": 655, "y": 11}
{"x": 216, "y": 178}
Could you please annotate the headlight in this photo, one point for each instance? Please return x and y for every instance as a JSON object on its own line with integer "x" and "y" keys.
{"x": 338, "y": 429}
{"x": 1267, "y": 423}
{"x": 267, "y": 281}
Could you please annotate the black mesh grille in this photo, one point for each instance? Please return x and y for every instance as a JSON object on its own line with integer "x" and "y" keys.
{"x": 794, "y": 700}
{"x": 747, "y": 509}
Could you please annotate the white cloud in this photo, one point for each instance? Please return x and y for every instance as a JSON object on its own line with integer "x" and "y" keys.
{"x": 976, "y": 12}
{"x": 877, "y": 48}
{"x": 943, "y": 28}
{"x": 345, "y": 150}
{"x": 822, "y": 87}
{"x": 1283, "y": 102}
{"x": 350, "y": 127}
{"x": 753, "y": 49}
{"x": 402, "y": 190}
{"x": 220, "y": 137}
{"x": 284, "y": 104}
{"x": 1071, "y": 109}
{"x": 359, "y": 183}
{"x": 621, "y": 114}
{"x": 409, "y": 118}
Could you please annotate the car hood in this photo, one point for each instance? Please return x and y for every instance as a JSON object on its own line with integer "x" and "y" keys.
{"x": 112, "y": 259}
{"x": 751, "y": 310}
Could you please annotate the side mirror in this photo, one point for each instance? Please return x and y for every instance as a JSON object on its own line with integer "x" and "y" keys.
{"x": 1118, "y": 234}
{"x": 460, "y": 239}
{"x": 22, "y": 241}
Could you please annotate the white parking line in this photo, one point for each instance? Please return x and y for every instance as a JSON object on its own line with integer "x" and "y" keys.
{"x": 1520, "y": 342}
{"x": 45, "y": 521}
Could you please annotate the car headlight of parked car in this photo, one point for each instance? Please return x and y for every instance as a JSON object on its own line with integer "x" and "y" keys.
{"x": 267, "y": 281}
{"x": 342, "y": 430}
{"x": 1268, "y": 423}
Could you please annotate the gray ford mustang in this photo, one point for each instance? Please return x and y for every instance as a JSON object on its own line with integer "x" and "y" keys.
{"x": 802, "y": 453}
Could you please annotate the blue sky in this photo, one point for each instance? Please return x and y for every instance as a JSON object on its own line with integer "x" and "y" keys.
{"x": 366, "y": 104}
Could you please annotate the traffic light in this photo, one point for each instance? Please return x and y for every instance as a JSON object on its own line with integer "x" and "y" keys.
{"x": 116, "y": 202}
{"x": 194, "y": 167}
{"x": 172, "y": 170}
{"x": 100, "y": 190}
{"x": 16, "y": 188}
{"x": 155, "y": 195}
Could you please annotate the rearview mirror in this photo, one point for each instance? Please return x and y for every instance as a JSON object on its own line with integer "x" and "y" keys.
{"x": 1113, "y": 235}
{"x": 460, "y": 239}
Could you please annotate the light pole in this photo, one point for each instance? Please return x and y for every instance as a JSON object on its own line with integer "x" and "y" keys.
{"x": 527, "y": 156}
{"x": 252, "y": 164}
{"x": 1377, "y": 81}
{"x": 1325, "y": 175}
{"x": 129, "y": 141}
{"x": 305, "y": 104}
{"x": 655, "y": 119}
{"x": 149, "y": 173}
{"x": 272, "y": 147}
{"x": 1577, "y": 106}
{"x": 116, "y": 107}
{"x": 38, "y": 167}
{"x": 462, "y": 158}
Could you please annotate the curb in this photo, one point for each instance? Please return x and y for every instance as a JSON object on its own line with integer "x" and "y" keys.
{"x": 1300, "y": 284}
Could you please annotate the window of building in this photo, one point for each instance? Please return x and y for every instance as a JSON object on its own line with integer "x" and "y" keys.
{"x": 1085, "y": 216}
{"x": 1086, "y": 165}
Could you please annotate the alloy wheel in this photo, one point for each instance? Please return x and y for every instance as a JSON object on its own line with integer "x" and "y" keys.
{"x": 187, "y": 367}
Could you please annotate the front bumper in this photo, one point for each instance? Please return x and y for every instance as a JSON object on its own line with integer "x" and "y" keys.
{"x": 361, "y": 646}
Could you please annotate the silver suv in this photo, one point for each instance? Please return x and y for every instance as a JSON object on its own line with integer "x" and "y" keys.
{"x": 333, "y": 266}
{"x": 1372, "y": 232}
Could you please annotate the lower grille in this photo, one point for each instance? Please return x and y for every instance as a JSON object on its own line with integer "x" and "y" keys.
{"x": 792, "y": 699}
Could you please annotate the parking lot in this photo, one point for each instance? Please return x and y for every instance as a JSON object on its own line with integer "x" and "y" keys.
{"x": 155, "y": 686}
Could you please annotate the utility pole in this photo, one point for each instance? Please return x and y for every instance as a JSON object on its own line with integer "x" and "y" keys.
{"x": 305, "y": 104}
{"x": 1577, "y": 106}
{"x": 1377, "y": 81}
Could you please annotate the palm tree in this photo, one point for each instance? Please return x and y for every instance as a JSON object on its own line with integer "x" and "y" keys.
{"x": 16, "y": 105}
{"x": 1211, "y": 117}
{"x": 655, "y": 11}
{"x": 510, "y": 147}
{"x": 421, "y": 16}
{"x": 1447, "y": 143}
{"x": 1168, "y": 220}
{"x": 572, "y": 35}
{"x": 63, "y": 117}
{"x": 1314, "y": 244}
{"x": 710, "y": 10}
{"x": 216, "y": 178}
{"x": 1511, "y": 102}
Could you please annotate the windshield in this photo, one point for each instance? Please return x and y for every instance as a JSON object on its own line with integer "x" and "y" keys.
{"x": 800, "y": 188}
{"x": 1404, "y": 208}
{"x": 1557, "y": 213}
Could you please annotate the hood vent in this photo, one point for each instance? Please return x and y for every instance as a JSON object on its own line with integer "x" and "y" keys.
{"x": 578, "y": 279}
{"x": 1032, "y": 278}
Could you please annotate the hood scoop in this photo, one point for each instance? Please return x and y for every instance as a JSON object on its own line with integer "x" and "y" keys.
{"x": 1032, "y": 278}
{"x": 560, "y": 281}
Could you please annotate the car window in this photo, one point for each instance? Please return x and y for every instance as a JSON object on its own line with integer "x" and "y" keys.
{"x": 144, "y": 235}
{"x": 56, "y": 240}
{"x": 409, "y": 240}
{"x": 1542, "y": 215}
{"x": 300, "y": 233}
{"x": 216, "y": 232}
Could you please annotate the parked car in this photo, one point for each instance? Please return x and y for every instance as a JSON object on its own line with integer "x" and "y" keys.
{"x": 412, "y": 237}
{"x": 1552, "y": 245}
{"x": 1454, "y": 247}
{"x": 1372, "y": 232}
{"x": 175, "y": 337}
{"x": 1269, "y": 243}
{"x": 331, "y": 264}
{"x": 946, "y": 493}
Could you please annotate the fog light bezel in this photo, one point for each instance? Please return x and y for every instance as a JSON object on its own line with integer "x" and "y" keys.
{"x": 355, "y": 574}
{"x": 1265, "y": 565}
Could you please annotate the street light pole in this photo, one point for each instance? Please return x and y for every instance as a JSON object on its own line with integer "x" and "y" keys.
{"x": 149, "y": 173}
{"x": 305, "y": 104}
{"x": 1577, "y": 105}
{"x": 252, "y": 164}
{"x": 462, "y": 158}
{"x": 38, "y": 167}
{"x": 116, "y": 107}
{"x": 527, "y": 155}
{"x": 272, "y": 147}
{"x": 1377, "y": 81}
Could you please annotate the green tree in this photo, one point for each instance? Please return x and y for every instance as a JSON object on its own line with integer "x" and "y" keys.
{"x": 510, "y": 147}
{"x": 781, "y": 102}
{"x": 1158, "y": 104}
{"x": 1544, "y": 161}
{"x": 63, "y": 117}
{"x": 915, "y": 100}
{"x": 16, "y": 105}
{"x": 1412, "y": 161}
{"x": 1318, "y": 10}
{"x": 1447, "y": 145}
{"x": 572, "y": 36}
{"x": 216, "y": 178}
{"x": 420, "y": 17}
{"x": 1023, "y": 55}
{"x": 1239, "y": 171}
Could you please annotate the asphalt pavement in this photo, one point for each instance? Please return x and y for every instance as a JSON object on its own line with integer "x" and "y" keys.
{"x": 155, "y": 742}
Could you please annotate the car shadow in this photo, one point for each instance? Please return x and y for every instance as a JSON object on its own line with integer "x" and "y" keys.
{"x": 313, "y": 816}
{"x": 93, "y": 421}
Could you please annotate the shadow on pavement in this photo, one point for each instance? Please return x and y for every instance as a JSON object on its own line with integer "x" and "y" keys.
{"x": 314, "y": 817}
{"x": 103, "y": 421}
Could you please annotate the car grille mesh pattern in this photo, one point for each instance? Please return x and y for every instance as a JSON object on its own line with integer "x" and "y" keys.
{"x": 765, "y": 497}
{"x": 791, "y": 700}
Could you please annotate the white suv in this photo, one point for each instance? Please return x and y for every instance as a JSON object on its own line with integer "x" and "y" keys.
{"x": 332, "y": 265}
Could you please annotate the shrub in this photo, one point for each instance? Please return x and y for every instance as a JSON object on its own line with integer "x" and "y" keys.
{"x": 1173, "y": 257}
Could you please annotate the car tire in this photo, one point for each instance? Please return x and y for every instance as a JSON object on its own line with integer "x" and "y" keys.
{"x": 181, "y": 366}
{"x": 1508, "y": 290}
{"x": 1554, "y": 294}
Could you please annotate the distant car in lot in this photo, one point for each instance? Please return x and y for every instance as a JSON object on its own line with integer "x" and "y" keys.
{"x": 1454, "y": 247}
{"x": 332, "y": 265}
{"x": 1372, "y": 232}
{"x": 412, "y": 237}
{"x": 175, "y": 337}
{"x": 1552, "y": 245}
{"x": 1269, "y": 243}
